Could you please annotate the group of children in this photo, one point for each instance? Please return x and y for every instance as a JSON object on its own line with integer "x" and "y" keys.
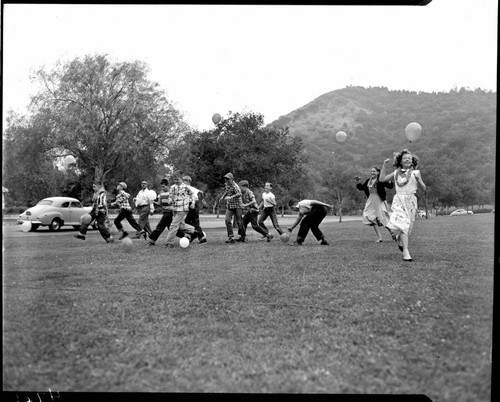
{"x": 181, "y": 204}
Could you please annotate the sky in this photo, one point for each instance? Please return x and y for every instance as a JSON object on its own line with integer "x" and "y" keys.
{"x": 261, "y": 58}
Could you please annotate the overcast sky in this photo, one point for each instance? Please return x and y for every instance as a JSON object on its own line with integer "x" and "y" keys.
{"x": 267, "y": 59}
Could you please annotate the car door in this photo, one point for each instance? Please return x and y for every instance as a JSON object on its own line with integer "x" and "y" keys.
{"x": 76, "y": 211}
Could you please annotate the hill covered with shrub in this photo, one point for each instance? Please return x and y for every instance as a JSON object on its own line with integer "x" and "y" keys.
{"x": 458, "y": 140}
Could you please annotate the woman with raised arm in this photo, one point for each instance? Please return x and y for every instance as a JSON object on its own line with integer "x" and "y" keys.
{"x": 407, "y": 178}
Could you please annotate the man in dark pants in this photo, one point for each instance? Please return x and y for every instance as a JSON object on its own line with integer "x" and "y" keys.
{"x": 311, "y": 214}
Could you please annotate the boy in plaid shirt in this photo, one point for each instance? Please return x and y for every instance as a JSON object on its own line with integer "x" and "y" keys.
{"x": 99, "y": 213}
{"x": 181, "y": 199}
{"x": 121, "y": 202}
{"x": 232, "y": 196}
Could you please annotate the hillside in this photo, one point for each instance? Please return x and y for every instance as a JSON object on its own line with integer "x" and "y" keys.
{"x": 459, "y": 128}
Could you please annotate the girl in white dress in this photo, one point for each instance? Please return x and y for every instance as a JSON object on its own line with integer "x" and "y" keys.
{"x": 404, "y": 204}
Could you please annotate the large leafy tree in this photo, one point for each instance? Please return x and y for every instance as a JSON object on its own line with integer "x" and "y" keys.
{"x": 242, "y": 145}
{"x": 28, "y": 171}
{"x": 109, "y": 116}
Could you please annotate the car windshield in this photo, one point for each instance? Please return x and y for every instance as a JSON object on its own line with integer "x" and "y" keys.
{"x": 45, "y": 202}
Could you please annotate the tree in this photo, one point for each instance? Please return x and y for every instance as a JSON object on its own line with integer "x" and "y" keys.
{"x": 108, "y": 115}
{"x": 240, "y": 144}
{"x": 338, "y": 180}
{"x": 27, "y": 169}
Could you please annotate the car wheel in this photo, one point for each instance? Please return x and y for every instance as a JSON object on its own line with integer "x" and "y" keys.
{"x": 55, "y": 225}
{"x": 34, "y": 226}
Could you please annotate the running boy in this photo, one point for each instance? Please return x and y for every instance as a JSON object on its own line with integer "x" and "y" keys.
{"x": 251, "y": 210}
{"x": 99, "y": 213}
{"x": 269, "y": 204}
{"x": 121, "y": 202}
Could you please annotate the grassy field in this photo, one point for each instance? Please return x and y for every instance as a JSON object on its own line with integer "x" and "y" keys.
{"x": 258, "y": 317}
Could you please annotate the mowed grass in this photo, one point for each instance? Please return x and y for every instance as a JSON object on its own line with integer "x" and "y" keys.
{"x": 351, "y": 317}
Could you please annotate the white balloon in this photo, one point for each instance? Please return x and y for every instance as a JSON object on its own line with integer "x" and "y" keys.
{"x": 216, "y": 118}
{"x": 413, "y": 131}
{"x": 26, "y": 226}
{"x": 184, "y": 242}
{"x": 341, "y": 136}
{"x": 70, "y": 160}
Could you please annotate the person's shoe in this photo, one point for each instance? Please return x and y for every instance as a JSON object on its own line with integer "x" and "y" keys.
{"x": 202, "y": 240}
{"x": 241, "y": 240}
{"x": 378, "y": 241}
{"x": 324, "y": 242}
{"x": 298, "y": 243}
{"x": 264, "y": 238}
{"x": 150, "y": 242}
{"x": 269, "y": 237}
{"x": 110, "y": 240}
{"x": 168, "y": 245}
{"x": 79, "y": 236}
{"x": 144, "y": 234}
{"x": 230, "y": 240}
{"x": 408, "y": 259}
{"x": 138, "y": 236}
{"x": 123, "y": 234}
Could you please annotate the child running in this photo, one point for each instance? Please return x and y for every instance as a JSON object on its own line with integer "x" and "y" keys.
{"x": 99, "y": 213}
{"x": 121, "y": 202}
{"x": 269, "y": 204}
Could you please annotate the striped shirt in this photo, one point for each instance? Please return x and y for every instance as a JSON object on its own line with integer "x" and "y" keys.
{"x": 164, "y": 201}
{"x": 100, "y": 202}
{"x": 180, "y": 197}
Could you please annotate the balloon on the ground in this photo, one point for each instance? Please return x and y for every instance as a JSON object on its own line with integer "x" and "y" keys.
{"x": 86, "y": 219}
{"x": 184, "y": 242}
{"x": 26, "y": 226}
{"x": 70, "y": 160}
{"x": 285, "y": 237}
{"x": 413, "y": 131}
{"x": 127, "y": 244}
{"x": 341, "y": 136}
{"x": 216, "y": 118}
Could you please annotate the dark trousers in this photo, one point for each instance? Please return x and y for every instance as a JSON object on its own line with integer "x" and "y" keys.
{"x": 269, "y": 212}
{"x": 102, "y": 224}
{"x": 312, "y": 221}
{"x": 193, "y": 219}
{"x": 251, "y": 217}
{"x": 236, "y": 212}
{"x": 163, "y": 224}
{"x": 126, "y": 214}
{"x": 144, "y": 218}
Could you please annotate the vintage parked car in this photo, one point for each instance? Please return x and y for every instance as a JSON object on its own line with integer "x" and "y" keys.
{"x": 55, "y": 212}
{"x": 461, "y": 212}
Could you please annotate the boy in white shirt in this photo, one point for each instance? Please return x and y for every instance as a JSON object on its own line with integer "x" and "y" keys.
{"x": 269, "y": 204}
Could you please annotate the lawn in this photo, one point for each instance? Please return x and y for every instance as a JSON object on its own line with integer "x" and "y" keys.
{"x": 258, "y": 317}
